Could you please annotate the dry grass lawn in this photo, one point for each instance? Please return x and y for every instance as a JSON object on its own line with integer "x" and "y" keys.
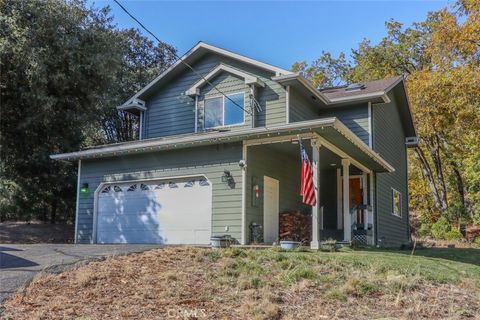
{"x": 199, "y": 283}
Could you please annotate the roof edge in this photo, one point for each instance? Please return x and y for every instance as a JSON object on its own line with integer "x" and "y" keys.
{"x": 199, "y": 45}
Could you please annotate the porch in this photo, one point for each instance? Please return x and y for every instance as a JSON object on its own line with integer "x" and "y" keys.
{"x": 345, "y": 192}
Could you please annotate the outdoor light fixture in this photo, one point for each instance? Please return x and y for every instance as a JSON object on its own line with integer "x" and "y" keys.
{"x": 84, "y": 188}
{"x": 227, "y": 177}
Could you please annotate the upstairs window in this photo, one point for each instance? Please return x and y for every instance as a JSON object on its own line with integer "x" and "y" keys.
{"x": 222, "y": 111}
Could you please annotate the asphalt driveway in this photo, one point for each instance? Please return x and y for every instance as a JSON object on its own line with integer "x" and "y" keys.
{"x": 19, "y": 263}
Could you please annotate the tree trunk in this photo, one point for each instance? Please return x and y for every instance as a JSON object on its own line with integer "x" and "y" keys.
{"x": 427, "y": 172}
{"x": 433, "y": 147}
{"x": 53, "y": 213}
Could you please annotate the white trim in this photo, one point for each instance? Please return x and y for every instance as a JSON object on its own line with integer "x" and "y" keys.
{"x": 155, "y": 144}
{"x": 342, "y": 154}
{"x": 202, "y": 45}
{"x": 287, "y": 102}
{"x": 316, "y": 209}
{"x": 339, "y": 200}
{"x": 343, "y": 129}
{"x": 347, "y": 224}
{"x": 77, "y": 206}
{"x": 370, "y": 132}
{"x": 289, "y": 138}
{"x": 223, "y": 110}
{"x": 372, "y": 204}
{"x": 249, "y": 79}
{"x": 140, "y": 129}
{"x": 133, "y": 103}
{"x": 243, "y": 239}
{"x": 365, "y": 199}
{"x": 252, "y": 108}
{"x": 103, "y": 184}
{"x": 196, "y": 113}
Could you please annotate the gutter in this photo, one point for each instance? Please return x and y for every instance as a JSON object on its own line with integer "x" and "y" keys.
{"x": 190, "y": 140}
{"x": 378, "y": 94}
{"x": 193, "y": 140}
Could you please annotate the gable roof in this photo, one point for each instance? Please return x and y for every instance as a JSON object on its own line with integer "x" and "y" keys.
{"x": 249, "y": 79}
{"x": 197, "y": 51}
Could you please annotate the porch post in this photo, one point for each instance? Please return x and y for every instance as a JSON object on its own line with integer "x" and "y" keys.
{"x": 316, "y": 209}
{"x": 365, "y": 199}
{"x": 347, "y": 224}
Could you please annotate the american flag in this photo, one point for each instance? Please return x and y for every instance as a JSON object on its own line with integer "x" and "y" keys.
{"x": 307, "y": 188}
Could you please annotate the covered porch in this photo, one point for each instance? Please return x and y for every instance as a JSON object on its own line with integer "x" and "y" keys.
{"x": 344, "y": 180}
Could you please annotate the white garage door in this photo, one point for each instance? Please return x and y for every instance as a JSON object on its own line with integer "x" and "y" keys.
{"x": 176, "y": 211}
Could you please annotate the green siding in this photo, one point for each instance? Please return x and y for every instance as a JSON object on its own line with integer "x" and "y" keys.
{"x": 301, "y": 108}
{"x": 354, "y": 117}
{"x": 265, "y": 161}
{"x": 389, "y": 142}
{"x": 170, "y": 112}
{"x": 210, "y": 161}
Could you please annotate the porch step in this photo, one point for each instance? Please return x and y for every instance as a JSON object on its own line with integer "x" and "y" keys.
{"x": 343, "y": 243}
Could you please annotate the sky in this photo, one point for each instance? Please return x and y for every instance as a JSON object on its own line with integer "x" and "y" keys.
{"x": 276, "y": 32}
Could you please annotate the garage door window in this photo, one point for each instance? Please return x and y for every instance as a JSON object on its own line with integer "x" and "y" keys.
{"x": 133, "y": 187}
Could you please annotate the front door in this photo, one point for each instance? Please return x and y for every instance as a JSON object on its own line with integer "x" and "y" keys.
{"x": 356, "y": 198}
{"x": 270, "y": 209}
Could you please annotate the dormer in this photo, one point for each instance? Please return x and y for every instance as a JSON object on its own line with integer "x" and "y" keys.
{"x": 249, "y": 79}
{"x": 223, "y": 98}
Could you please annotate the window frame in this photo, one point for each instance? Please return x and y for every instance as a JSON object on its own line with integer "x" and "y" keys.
{"x": 394, "y": 191}
{"x": 223, "y": 110}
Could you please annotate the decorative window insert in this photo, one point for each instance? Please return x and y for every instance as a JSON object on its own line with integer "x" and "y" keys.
{"x": 189, "y": 184}
{"x": 223, "y": 111}
{"x": 172, "y": 184}
{"x": 396, "y": 203}
{"x": 203, "y": 182}
{"x": 133, "y": 187}
{"x": 107, "y": 189}
{"x": 144, "y": 187}
{"x": 160, "y": 186}
{"x": 117, "y": 189}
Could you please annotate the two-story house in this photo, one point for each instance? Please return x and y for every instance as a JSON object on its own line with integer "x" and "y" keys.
{"x": 219, "y": 152}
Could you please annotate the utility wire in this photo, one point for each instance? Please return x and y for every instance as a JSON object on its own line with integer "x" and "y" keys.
{"x": 178, "y": 57}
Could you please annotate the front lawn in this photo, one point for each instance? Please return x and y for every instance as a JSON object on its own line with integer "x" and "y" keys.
{"x": 183, "y": 283}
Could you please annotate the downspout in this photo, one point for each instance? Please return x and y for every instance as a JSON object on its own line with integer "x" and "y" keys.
{"x": 78, "y": 200}
{"x": 196, "y": 113}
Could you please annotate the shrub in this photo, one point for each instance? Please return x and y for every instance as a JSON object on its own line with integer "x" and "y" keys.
{"x": 476, "y": 242}
{"x": 453, "y": 235}
{"x": 440, "y": 228}
{"x": 425, "y": 230}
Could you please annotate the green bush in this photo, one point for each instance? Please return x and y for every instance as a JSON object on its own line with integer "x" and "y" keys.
{"x": 440, "y": 228}
{"x": 453, "y": 235}
{"x": 476, "y": 242}
{"x": 425, "y": 229}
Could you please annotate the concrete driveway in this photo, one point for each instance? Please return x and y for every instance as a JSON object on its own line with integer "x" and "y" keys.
{"x": 19, "y": 263}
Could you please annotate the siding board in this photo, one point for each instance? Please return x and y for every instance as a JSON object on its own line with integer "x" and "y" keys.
{"x": 210, "y": 161}
{"x": 389, "y": 142}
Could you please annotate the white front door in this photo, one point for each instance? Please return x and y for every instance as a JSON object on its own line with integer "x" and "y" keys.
{"x": 270, "y": 209}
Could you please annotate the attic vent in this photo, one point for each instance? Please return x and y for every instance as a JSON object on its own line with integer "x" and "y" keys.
{"x": 355, "y": 86}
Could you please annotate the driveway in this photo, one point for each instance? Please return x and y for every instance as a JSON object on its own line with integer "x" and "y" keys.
{"x": 19, "y": 263}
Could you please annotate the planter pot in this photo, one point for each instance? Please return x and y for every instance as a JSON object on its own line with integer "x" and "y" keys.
{"x": 289, "y": 245}
{"x": 217, "y": 242}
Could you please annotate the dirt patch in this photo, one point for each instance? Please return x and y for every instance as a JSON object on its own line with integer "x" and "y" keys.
{"x": 21, "y": 232}
{"x": 195, "y": 283}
